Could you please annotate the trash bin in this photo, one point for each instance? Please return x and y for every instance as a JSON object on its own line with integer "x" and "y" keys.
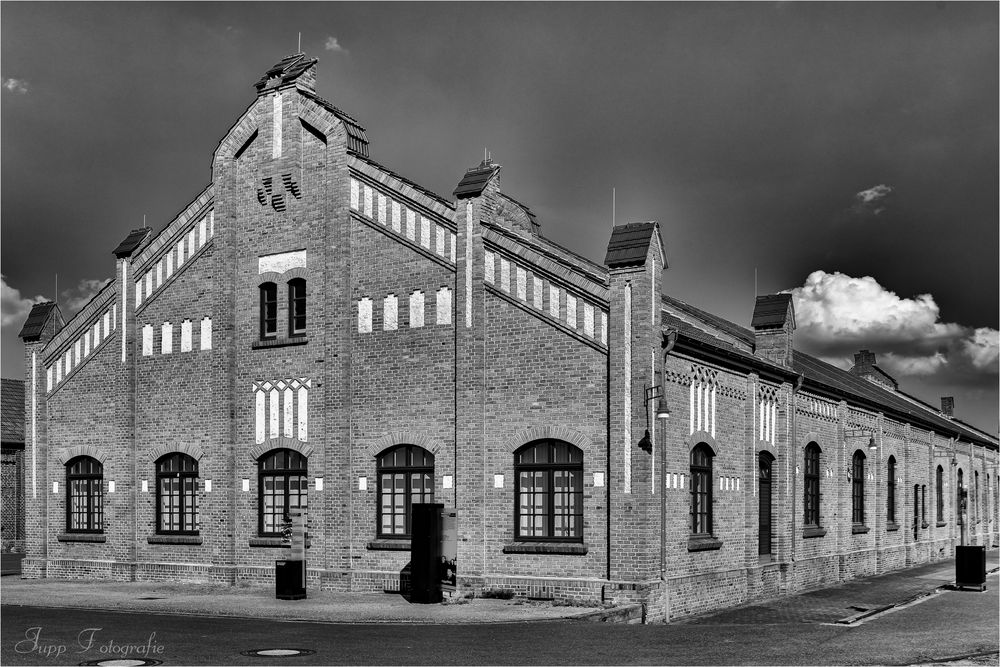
{"x": 425, "y": 553}
{"x": 290, "y": 579}
{"x": 970, "y": 567}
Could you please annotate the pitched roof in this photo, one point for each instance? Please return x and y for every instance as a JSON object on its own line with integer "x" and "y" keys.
{"x": 131, "y": 242}
{"x": 629, "y": 244}
{"x": 357, "y": 138}
{"x": 288, "y": 68}
{"x": 475, "y": 180}
{"x": 33, "y": 326}
{"x": 12, "y": 411}
{"x": 824, "y": 377}
{"x": 772, "y": 310}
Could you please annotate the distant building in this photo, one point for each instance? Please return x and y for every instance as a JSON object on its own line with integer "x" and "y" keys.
{"x": 12, "y": 465}
{"x": 315, "y": 331}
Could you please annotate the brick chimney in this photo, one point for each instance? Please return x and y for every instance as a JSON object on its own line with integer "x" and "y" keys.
{"x": 773, "y": 323}
{"x": 865, "y": 367}
{"x": 948, "y": 406}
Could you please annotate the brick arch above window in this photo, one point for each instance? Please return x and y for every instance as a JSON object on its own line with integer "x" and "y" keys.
{"x": 281, "y": 442}
{"x": 185, "y": 448}
{"x": 887, "y": 451}
{"x": 548, "y": 433}
{"x": 394, "y": 438}
{"x": 83, "y": 450}
{"x": 279, "y": 278}
{"x": 703, "y": 437}
{"x": 808, "y": 439}
{"x": 764, "y": 446}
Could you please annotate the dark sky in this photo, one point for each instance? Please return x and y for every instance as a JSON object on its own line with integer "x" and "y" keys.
{"x": 847, "y": 151}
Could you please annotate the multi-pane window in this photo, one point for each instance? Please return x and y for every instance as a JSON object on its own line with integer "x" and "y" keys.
{"x": 268, "y": 310}
{"x": 177, "y": 494}
{"x": 405, "y": 478}
{"x": 858, "y": 488}
{"x": 549, "y": 491}
{"x": 282, "y": 487}
{"x": 764, "y": 532}
{"x": 701, "y": 490}
{"x": 890, "y": 490}
{"x": 811, "y": 486}
{"x": 296, "y": 307}
{"x": 975, "y": 497}
{"x": 939, "y": 488}
{"x": 84, "y": 506}
{"x": 960, "y": 500}
{"x": 923, "y": 506}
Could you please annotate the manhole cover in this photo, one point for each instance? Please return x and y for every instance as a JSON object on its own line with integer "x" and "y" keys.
{"x": 277, "y": 652}
{"x": 124, "y": 662}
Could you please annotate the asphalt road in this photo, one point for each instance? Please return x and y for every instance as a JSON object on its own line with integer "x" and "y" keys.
{"x": 944, "y": 626}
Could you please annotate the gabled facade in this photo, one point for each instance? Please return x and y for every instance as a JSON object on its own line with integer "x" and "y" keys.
{"x": 317, "y": 332}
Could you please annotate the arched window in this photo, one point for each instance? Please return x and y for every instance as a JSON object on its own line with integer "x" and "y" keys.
{"x": 764, "y": 532}
{"x": 890, "y": 490}
{"x": 977, "y": 510}
{"x": 939, "y": 489}
{"x": 84, "y": 495}
{"x": 549, "y": 491}
{"x": 858, "y": 488}
{"x": 701, "y": 490}
{"x": 405, "y": 477}
{"x": 177, "y": 494}
{"x": 960, "y": 499}
{"x": 282, "y": 487}
{"x": 923, "y": 506}
{"x": 297, "y": 307}
{"x": 268, "y": 310}
{"x": 811, "y": 487}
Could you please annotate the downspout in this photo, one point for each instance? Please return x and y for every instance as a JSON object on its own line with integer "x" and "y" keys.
{"x": 668, "y": 344}
{"x": 794, "y": 457}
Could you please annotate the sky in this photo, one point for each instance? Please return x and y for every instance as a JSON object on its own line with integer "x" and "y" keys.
{"x": 844, "y": 152}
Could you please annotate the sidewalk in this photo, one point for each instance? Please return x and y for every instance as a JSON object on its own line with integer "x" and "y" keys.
{"x": 853, "y": 599}
{"x": 850, "y": 601}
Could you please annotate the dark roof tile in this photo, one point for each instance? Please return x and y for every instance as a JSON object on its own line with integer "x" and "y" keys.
{"x": 475, "y": 180}
{"x": 12, "y": 411}
{"x": 33, "y": 326}
{"x": 772, "y": 310}
{"x": 131, "y": 242}
{"x": 629, "y": 244}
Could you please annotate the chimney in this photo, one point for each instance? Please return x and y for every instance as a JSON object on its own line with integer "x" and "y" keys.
{"x": 948, "y": 406}
{"x": 773, "y": 323}
{"x": 865, "y": 367}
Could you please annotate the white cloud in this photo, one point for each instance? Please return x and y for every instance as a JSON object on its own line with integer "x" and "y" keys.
{"x": 903, "y": 365}
{"x": 837, "y": 315}
{"x": 872, "y": 199}
{"x": 983, "y": 348}
{"x": 14, "y": 308}
{"x": 333, "y": 45}
{"x": 77, "y": 297}
{"x": 19, "y": 86}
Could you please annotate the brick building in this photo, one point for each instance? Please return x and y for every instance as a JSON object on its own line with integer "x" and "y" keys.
{"x": 316, "y": 331}
{"x": 12, "y": 464}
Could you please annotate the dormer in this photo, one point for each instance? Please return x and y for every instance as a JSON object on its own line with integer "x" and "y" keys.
{"x": 773, "y": 325}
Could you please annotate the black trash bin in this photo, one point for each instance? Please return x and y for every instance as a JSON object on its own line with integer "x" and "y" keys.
{"x": 425, "y": 553}
{"x": 290, "y": 579}
{"x": 970, "y": 567}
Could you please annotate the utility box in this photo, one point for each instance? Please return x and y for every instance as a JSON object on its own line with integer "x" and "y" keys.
{"x": 970, "y": 567}
{"x": 290, "y": 579}
{"x": 425, "y": 553}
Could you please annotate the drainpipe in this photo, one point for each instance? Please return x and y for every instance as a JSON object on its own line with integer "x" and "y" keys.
{"x": 668, "y": 344}
{"x": 793, "y": 450}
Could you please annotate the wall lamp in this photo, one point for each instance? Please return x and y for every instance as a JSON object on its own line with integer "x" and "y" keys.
{"x": 662, "y": 412}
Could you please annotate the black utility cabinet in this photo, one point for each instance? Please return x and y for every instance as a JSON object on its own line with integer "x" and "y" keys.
{"x": 290, "y": 579}
{"x": 425, "y": 553}
{"x": 970, "y": 567}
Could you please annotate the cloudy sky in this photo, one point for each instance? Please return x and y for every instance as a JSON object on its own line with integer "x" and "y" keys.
{"x": 846, "y": 152}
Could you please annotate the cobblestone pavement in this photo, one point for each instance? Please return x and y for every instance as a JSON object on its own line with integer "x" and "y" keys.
{"x": 852, "y": 599}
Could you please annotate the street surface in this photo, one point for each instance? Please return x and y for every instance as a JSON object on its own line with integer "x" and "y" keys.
{"x": 945, "y": 626}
